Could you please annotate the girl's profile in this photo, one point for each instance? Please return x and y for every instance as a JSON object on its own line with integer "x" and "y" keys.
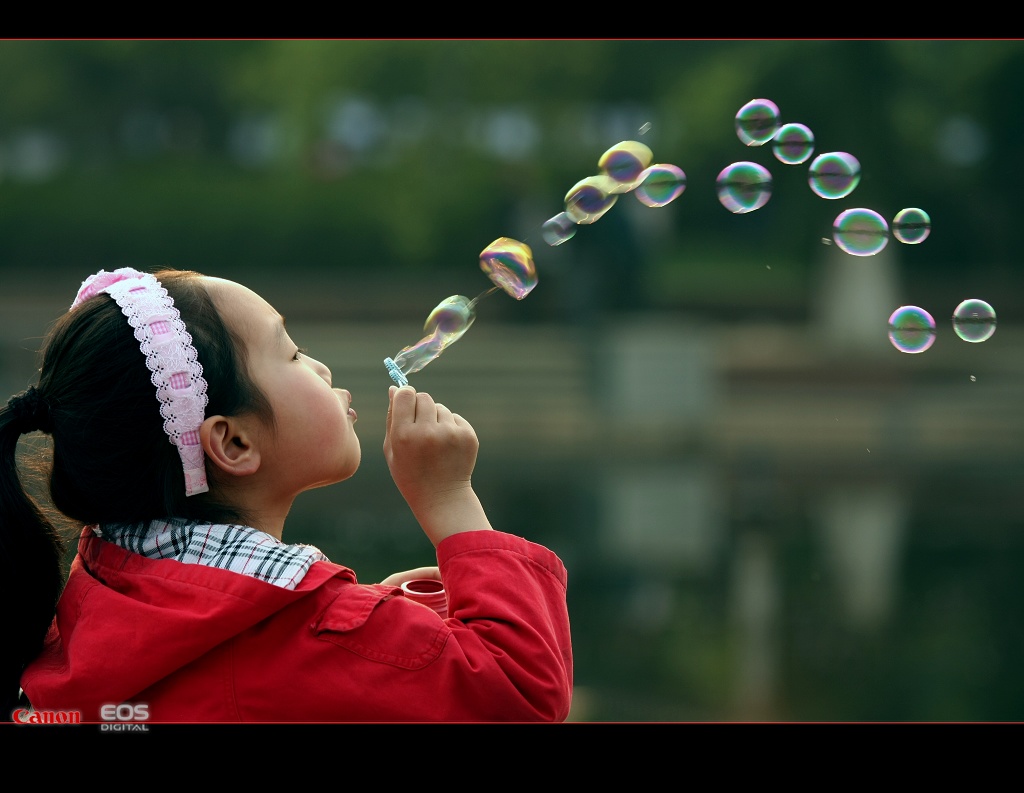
{"x": 182, "y": 422}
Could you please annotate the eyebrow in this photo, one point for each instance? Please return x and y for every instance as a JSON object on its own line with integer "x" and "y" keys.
{"x": 282, "y": 331}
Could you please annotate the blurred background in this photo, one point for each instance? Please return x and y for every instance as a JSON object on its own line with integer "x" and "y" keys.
{"x": 767, "y": 511}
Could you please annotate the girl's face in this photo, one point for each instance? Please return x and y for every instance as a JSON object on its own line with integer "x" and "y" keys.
{"x": 315, "y": 442}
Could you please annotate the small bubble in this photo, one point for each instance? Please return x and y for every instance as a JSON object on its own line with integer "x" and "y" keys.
{"x": 793, "y": 144}
{"x": 744, "y": 186}
{"x": 860, "y": 232}
{"x": 911, "y": 329}
{"x": 834, "y": 174}
{"x": 558, "y": 229}
{"x": 757, "y": 122}
{"x": 660, "y": 185}
{"x": 974, "y": 320}
{"x": 974, "y": 379}
{"x": 911, "y": 225}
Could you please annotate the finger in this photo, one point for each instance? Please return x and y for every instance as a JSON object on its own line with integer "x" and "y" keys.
{"x": 391, "y": 403}
{"x": 401, "y": 409}
{"x": 403, "y": 404}
{"x": 464, "y": 425}
{"x": 426, "y": 410}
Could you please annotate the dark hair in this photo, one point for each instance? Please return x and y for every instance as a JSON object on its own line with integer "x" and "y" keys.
{"x": 111, "y": 459}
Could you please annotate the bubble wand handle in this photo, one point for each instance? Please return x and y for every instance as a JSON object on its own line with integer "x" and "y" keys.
{"x": 396, "y": 373}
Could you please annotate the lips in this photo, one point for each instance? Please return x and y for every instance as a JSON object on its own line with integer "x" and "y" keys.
{"x": 348, "y": 398}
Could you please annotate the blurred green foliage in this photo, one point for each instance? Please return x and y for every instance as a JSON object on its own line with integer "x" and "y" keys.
{"x": 427, "y": 193}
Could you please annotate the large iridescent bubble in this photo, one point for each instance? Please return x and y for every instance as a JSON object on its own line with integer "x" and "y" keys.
{"x": 860, "y": 232}
{"x": 450, "y": 318}
{"x": 793, "y": 144}
{"x": 911, "y": 225}
{"x": 444, "y": 326}
{"x": 509, "y": 264}
{"x": 974, "y": 320}
{"x": 834, "y": 174}
{"x": 757, "y": 122}
{"x": 623, "y": 163}
{"x": 744, "y": 186}
{"x": 660, "y": 185}
{"x": 911, "y": 329}
{"x": 590, "y": 198}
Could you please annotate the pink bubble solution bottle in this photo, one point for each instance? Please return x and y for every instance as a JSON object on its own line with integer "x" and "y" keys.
{"x": 428, "y": 592}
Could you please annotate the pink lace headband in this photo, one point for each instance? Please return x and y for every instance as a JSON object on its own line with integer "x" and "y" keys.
{"x": 170, "y": 356}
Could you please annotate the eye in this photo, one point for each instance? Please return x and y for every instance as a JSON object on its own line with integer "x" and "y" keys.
{"x": 299, "y": 351}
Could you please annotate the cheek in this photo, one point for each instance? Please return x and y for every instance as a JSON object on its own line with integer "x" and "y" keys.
{"x": 305, "y": 409}
{"x": 322, "y": 406}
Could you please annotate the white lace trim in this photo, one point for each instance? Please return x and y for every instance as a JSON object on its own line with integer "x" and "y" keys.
{"x": 170, "y": 357}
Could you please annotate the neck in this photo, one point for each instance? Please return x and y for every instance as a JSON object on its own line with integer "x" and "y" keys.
{"x": 261, "y": 509}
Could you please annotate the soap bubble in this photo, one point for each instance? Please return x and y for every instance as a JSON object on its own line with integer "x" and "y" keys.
{"x": 741, "y": 187}
{"x": 793, "y": 144}
{"x": 860, "y": 232}
{"x": 558, "y": 229}
{"x": 911, "y": 225}
{"x": 590, "y": 198}
{"x": 744, "y": 187}
{"x": 623, "y": 163}
{"x": 509, "y": 264}
{"x": 444, "y": 326}
{"x": 757, "y": 122}
{"x": 450, "y": 318}
{"x": 834, "y": 174}
{"x": 974, "y": 320}
{"x": 911, "y": 329}
{"x": 660, "y": 185}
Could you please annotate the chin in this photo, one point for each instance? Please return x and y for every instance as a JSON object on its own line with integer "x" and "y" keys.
{"x": 348, "y": 472}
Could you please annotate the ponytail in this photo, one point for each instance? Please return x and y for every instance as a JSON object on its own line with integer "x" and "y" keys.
{"x": 111, "y": 459}
{"x": 31, "y": 553}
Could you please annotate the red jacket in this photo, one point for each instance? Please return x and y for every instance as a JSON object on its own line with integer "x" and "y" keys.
{"x": 200, "y": 644}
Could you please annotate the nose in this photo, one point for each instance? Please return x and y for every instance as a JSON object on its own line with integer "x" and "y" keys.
{"x": 321, "y": 369}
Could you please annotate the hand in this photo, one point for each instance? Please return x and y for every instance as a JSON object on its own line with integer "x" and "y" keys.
{"x": 431, "y": 453}
{"x": 397, "y": 579}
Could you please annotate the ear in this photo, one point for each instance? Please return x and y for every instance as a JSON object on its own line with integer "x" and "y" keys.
{"x": 230, "y": 443}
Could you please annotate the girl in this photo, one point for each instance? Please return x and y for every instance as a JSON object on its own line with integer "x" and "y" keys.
{"x": 183, "y": 602}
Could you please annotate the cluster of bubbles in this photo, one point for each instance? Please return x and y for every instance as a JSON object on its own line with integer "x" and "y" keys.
{"x": 741, "y": 187}
{"x": 912, "y": 329}
{"x": 627, "y": 167}
{"x": 860, "y": 231}
{"x": 746, "y": 186}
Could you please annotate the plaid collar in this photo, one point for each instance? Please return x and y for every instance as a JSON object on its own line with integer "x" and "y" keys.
{"x": 240, "y": 549}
